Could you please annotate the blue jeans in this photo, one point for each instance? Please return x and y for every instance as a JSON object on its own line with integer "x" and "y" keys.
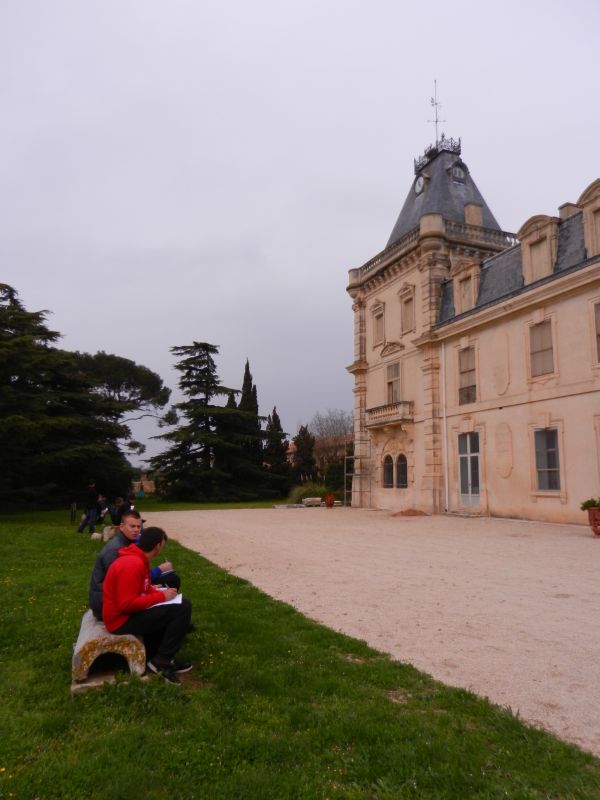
{"x": 89, "y": 519}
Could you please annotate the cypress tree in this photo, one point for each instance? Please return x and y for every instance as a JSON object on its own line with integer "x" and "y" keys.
{"x": 252, "y": 443}
{"x": 275, "y": 455}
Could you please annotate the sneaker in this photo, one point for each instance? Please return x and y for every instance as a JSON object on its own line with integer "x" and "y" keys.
{"x": 181, "y": 666}
{"x": 164, "y": 668}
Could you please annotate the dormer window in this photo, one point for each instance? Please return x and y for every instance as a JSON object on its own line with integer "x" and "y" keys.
{"x": 458, "y": 172}
{"x": 539, "y": 242}
{"x": 465, "y": 278}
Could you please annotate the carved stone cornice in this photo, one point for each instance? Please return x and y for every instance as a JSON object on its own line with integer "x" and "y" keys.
{"x": 357, "y": 367}
{"x": 391, "y": 347}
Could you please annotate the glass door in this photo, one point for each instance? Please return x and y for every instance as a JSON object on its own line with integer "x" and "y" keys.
{"x": 468, "y": 463}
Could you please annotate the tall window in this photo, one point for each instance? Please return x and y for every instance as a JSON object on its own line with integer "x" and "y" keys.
{"x": 393, "y": 383}
{"x": 401, "y": 472}
{"x": 467, "y": 388}
{"x": 388, "y": 472}
{"x": 546, "y": 459}
{"x": 542, "y": 361}
{"x": 378, "y": 316}
{"x": 408, "y": 314}
{"x": 597, "y": 319}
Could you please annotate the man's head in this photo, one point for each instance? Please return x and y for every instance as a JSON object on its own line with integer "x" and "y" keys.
{"x": 131, "y": 525}
{"x": 151, "y": 539}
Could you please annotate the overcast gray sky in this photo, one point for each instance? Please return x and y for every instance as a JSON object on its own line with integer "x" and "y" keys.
{"x": 183, "y": 170}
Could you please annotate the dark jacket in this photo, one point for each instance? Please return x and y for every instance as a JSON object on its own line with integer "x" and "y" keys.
{"x": 91, "y": 498}
{"x": 105, "y": 558}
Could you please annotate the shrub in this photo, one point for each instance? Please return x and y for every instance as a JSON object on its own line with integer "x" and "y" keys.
{"x": 308, "y": 489}
{"x": 591, "y": 503}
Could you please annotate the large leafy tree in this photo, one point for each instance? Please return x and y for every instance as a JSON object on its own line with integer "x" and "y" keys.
{"x": 130, "y": 391}
{"x": 54, "y": 429}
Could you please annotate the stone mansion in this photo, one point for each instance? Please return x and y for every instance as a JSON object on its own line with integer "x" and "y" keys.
{"x": 477, "y": 355}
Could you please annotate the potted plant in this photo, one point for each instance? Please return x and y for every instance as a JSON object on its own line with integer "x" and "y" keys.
{"x": 592, "y": 506}
{"x": 329, "y": 499}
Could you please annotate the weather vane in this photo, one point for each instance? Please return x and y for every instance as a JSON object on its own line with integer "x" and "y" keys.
{"x": 437, "y": 105}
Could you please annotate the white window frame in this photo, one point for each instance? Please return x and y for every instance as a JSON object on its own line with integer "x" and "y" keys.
{"x": 545, "y": 423}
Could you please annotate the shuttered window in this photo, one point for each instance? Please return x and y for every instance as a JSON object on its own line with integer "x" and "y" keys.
{"x": 393, "y": 383}
{"x": 467, "y": 388}
{"x": 542, "y": 359}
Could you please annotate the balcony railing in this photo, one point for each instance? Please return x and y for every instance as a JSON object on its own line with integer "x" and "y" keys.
{"x": 390, "y": 414}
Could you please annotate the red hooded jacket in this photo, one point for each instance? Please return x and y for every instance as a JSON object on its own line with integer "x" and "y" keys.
{"x": 127, "y": 587}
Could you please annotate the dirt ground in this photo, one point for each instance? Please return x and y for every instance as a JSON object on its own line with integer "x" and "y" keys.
{"x": 505, "y": 608}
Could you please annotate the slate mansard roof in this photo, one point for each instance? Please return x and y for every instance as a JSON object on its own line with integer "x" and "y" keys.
{"x": 443, "y": 192}
{"x": 502, "y": 275}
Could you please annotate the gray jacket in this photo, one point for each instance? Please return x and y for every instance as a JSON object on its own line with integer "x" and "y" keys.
{"x": 105, "y": 558}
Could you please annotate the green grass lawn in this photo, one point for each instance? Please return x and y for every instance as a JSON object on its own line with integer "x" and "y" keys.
{"x": 277, "y": 706}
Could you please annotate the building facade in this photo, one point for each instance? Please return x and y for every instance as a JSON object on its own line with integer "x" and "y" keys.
{"x": 477, "y": 355}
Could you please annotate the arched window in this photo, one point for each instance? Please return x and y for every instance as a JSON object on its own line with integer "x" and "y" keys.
{"x": 401, "y": 472}
{"x": 388, "y": 472}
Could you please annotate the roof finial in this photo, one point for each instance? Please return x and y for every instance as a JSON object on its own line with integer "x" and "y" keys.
{"x": 437, "y": 105}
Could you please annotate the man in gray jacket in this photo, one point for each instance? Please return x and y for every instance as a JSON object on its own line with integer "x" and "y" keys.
{"x": 129, "y": 532}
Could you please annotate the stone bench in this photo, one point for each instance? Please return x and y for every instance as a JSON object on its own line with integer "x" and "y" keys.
{"x": 308, "y": 502}
{"x": 95, "y": 641}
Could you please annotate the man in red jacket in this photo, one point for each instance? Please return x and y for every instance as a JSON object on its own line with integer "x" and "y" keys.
{"x": 131, "y": 604}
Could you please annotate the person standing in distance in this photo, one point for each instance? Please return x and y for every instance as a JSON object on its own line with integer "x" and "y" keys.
{"x": 91, "y": 508}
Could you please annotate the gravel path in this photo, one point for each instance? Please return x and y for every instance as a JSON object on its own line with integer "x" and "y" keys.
{"x": 505, "y": 608}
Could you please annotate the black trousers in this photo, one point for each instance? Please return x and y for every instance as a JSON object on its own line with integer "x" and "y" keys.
{"x": 163, "y": 627}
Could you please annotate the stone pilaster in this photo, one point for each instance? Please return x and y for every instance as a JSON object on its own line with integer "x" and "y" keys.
{"x": 432, "y": 477}
{"x": 361, "y": 470}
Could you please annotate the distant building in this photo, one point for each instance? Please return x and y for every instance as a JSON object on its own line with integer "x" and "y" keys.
{"x": 477, "y": 355}
{"x": 145, "y": 485}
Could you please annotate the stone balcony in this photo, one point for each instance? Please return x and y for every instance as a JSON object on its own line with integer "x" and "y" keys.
{"x": 390, "y": 414}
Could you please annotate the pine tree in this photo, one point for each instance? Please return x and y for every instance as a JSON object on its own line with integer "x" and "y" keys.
{"x": 190, "y": 468}
{"x": 53, "y": 427}
{"x": 305, "y": 468}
